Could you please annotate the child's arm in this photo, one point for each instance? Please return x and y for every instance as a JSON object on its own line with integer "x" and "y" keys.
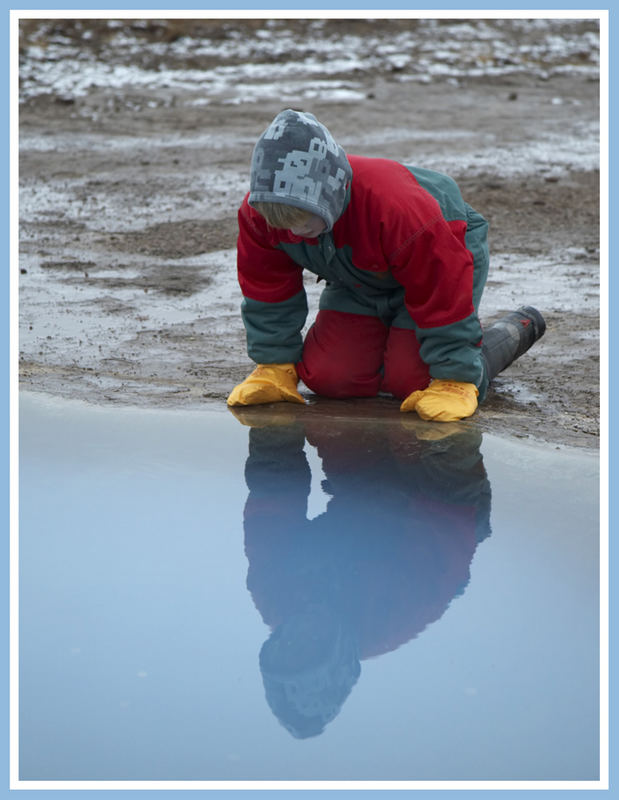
{"x": 436, "y": 270}
{"x": 274, "y": 310}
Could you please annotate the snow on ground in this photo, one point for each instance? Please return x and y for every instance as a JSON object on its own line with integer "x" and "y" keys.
{"x": 247, "y": 69}
{"x": 120, "y": 180}
{"x": 134, "y": 204}
{"x": 552, "y": 282}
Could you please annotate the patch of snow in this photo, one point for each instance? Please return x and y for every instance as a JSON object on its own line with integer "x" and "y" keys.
{"x": 425, "y": 52}
{"x": 552, "y": 153}
{"x": 559, "y": 281}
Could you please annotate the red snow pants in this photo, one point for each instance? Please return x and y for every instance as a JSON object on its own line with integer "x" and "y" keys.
{"x": 357, "y": 355}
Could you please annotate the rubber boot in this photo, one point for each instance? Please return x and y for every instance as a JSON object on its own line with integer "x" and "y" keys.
{"x": 510, "y": 336}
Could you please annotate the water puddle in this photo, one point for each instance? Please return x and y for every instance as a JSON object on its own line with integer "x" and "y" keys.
{"x": 291, "y": 594}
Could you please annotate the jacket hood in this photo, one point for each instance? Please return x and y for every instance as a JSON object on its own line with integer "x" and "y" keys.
{"x": 297, "y": 162}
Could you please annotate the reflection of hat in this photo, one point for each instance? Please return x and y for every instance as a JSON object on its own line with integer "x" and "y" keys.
{"x": 309, "y": 665}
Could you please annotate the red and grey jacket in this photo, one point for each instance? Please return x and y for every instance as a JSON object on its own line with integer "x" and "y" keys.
{"x": 405, "y": 247}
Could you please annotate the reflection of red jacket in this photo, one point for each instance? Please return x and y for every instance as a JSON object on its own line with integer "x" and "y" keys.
{"x": 394, "y": 545}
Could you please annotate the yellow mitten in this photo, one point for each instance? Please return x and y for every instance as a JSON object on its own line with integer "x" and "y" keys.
{"x": 443, "y": 401}
{"x": 268, "y": 383}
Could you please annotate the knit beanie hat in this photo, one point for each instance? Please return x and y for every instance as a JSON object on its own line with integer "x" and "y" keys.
{"x": 297, "y": 162}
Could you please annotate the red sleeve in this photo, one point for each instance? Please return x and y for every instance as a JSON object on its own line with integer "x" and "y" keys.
{"x": 265, "y": 273}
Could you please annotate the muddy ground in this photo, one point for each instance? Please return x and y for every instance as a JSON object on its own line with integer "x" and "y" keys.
{"x": 128, "y": 202}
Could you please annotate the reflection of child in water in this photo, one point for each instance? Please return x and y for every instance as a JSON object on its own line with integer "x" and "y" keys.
{"x": 380, "y": 564}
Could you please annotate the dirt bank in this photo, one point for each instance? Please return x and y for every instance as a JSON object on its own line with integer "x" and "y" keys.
{"x": 129, "y": 190}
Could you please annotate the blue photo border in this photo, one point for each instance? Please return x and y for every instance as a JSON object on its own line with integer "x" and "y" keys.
{"x": 8, "y": 364}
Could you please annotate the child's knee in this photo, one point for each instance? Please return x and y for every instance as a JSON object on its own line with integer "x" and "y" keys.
{"x": 332, "y": 379}
{"x": 400, "y": 385}
{"x": 343, "y": 354}
{"x": 405, "y": 372}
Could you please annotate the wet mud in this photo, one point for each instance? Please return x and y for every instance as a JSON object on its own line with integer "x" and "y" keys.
{"x": 129, "y": 190}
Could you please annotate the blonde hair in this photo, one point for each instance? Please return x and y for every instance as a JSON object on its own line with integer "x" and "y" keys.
{"x": 280, "y": 215}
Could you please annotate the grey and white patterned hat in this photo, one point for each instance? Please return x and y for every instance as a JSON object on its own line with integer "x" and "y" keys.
{"x": 297, "y": 162}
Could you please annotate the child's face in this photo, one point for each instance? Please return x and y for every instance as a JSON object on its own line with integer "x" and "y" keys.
{"x": 310, "y": 227}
